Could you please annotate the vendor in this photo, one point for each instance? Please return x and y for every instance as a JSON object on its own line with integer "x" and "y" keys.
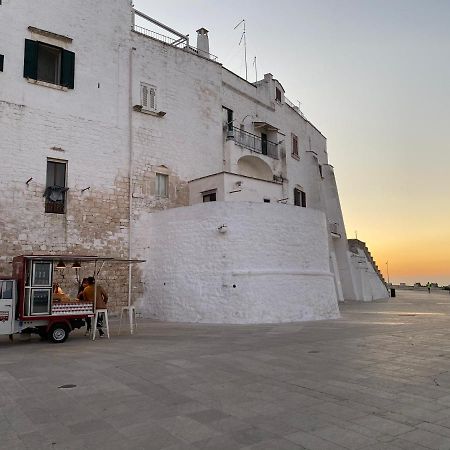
{"x": 83, "y": 285}
{"x": 57, "y": 289}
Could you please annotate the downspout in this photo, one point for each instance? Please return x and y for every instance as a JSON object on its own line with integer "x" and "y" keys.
{"x": 130, "y": 167}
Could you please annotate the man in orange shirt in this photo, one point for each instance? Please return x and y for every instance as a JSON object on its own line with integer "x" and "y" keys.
{"x": 93, "y": 292}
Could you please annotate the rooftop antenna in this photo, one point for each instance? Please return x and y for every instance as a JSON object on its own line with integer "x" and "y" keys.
{"x": 256, "y": 69}
{"x": 243, "y": 38}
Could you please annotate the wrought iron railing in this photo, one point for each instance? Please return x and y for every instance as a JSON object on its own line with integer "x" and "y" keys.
{"x": 203, "y": 53}
{"x": 252, "y": 142}
{"x": 180, "y": 43}
{"x": 158, "y": 36}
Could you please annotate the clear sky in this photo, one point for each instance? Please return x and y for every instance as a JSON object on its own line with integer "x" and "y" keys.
{"x": 374, "y": 77}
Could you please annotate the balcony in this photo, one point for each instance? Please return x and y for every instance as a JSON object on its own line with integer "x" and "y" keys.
{"x": 252, "y": 142}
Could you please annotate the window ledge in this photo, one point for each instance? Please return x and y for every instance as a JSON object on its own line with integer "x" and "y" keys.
{"x": 50, "y": 34}
{"x": 139, "y": 108}
{"x": 295, "y": 156}
{"x": 58, "y": 87}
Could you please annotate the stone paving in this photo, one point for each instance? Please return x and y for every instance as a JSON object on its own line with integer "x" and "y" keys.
{"x": 378, "y": 378}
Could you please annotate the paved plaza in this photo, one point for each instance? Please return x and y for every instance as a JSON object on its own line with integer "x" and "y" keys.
{"x": 378, "y": 378}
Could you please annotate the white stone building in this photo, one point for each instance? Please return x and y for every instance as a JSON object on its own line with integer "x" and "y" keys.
{"x": 117, "y": 140}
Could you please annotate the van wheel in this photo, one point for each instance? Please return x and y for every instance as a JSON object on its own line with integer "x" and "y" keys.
{"x": 58, "y": 333}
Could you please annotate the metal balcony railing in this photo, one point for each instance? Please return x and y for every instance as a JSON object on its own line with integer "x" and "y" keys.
{"x": 158, "y": 36}
{"x": 252, "y": 142}
{"x": 180, "y": 43}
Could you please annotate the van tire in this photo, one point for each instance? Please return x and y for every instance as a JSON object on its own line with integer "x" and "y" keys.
{"x": 59, "y": 332}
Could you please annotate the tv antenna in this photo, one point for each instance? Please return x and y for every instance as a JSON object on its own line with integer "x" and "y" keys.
{"x": 256, "y": 69}
{"x": 244, "y": 39}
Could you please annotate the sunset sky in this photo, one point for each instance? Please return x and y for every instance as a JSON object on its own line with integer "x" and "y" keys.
{"x": 374, "y": 77}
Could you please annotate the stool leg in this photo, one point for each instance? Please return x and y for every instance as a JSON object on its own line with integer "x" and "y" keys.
{"x": 94, "y": 326}
{"x": 120, "y": 322}
{"x": 107, "y": 323}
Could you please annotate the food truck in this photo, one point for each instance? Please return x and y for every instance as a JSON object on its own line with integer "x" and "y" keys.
{"x": 30, "y": 301}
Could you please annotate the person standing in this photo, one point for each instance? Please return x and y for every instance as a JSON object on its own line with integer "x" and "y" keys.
{"x": 429, "y": 287}
{"x": 80, "y": 297}
{"x": 93, "y": 292}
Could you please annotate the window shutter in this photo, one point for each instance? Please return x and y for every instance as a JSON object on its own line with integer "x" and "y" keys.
{"x": 152, "y": 103}
{"x": 30, "y": 59}
{"x": 68, "y": 69}
{"x": 303, "y": 199}
{"x": 2, "y": 58}
{"x": 144, "y": 96}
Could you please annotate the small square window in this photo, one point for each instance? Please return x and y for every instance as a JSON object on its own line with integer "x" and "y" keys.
{"x": 162, "y": 185}
{"x": 48, "y": 63}
{"x": 2, "y": 59}
{"x": 209, "y": 197}
{"x": 267, "y": 200}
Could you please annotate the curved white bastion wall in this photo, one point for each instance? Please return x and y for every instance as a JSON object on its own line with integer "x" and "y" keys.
{"x": 230, "y": 262}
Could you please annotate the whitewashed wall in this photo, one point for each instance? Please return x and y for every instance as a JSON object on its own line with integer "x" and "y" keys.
{"x": 368, "y": 285}
{"x": 270, "y": 266}
{"x": 235, "y": 188}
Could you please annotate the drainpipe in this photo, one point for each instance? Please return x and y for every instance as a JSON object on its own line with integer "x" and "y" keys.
{"x": 130, "y": 167}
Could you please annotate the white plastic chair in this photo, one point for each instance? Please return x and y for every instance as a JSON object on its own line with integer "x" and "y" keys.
{"x": 131, "y": 310}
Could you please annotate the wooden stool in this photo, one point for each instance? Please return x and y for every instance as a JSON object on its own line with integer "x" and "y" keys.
{"x": 94, "y": 325}
{"x": 131, "y": 317}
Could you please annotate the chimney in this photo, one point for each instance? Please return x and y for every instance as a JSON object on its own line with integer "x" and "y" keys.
{"x": 203, "y": 42}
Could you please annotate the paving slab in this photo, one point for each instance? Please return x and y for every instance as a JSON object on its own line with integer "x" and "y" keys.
{"x": 377, "y": 378}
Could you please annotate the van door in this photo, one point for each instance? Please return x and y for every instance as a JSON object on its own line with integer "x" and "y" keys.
{"x": 7, "y": 299}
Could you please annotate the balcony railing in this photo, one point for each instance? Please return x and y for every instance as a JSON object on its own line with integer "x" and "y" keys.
{"x": 158, "y": 36}
{"x": 252, "y": 142}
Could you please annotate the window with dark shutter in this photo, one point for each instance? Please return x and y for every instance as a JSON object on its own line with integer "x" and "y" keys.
{"x": 67, "y": 69}
{"x": 48, "y": 63}
{"x": 296, "y": 197}
{"x": 2, "y": 59}
{"x": 303, "y": 199}
{"x": 55, "y": 192}
{"x": 30, "y": 60}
